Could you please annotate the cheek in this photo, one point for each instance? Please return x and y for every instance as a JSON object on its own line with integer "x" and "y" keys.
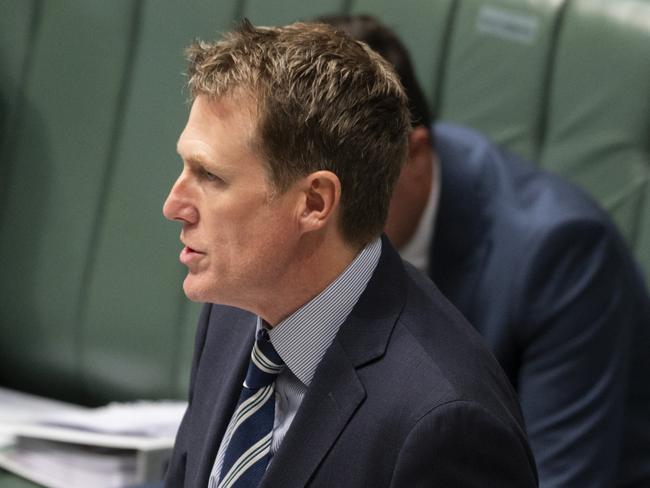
{"x": 246, "y": 234}
{"x": 274, "y": 232}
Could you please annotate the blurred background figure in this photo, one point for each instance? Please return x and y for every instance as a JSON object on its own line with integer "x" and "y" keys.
{"x": 542, "y": 273}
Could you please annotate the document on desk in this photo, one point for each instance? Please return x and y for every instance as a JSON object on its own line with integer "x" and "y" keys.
{"x": 149, "y": 419}
{"x": 64, "y": 465}
{"x": 68, "y": 446}
{"x": 18, "y": 408}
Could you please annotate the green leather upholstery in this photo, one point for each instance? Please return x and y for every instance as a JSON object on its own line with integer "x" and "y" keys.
{"x": 15, "y": 39}
{"x": 598, "y": 131}
{"x": 15, "y": 36}
{"x": 57, "y": 163}
{"x": 92, "y": 102}
{"x": 280, "y": 12}
{"x": 423, "y": 27}
{"x": 496, "y": 75}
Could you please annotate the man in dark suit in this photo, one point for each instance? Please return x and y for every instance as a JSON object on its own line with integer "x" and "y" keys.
{"x": 328, "y": 362}
{"x": 543, "y": 275}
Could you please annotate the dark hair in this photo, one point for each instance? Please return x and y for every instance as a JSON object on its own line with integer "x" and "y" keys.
{"x": 324, "y": 102}
{"x": 384, "y": 41}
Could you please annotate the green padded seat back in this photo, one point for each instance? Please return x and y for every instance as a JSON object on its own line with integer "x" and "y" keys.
{"x": 496, "y": 71}
{"x": 16, "y": 35}
{"x": 138, "y": 325}
{"x": 281, "y": 12}
{"x": 598, "y": 131}
{"x": 423, "y": 26}
{"x": 56, "y": 172}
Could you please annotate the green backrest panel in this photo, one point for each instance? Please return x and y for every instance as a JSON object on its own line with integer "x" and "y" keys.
{"x": 15, "y": 30}
{"x": 598, "y": 131}
{"x": 496, "y": 71}
{"x": 15, "y": 35}
{"x": 136, "y": 326}
{"x": 55, "y": 178}
{"x": 281, "y": 12}
{"x": 423, "y": 26}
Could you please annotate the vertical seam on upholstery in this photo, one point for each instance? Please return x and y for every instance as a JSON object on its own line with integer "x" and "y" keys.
{"x": 16, "y": 111}
{"x": 115, "y": 138}
{"x": 541, "y": 128}
{"x": 440, "y": 68}
{"x": 346, "y": 7}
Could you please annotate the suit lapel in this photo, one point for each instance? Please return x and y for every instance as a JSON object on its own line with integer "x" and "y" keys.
{"x": 336, "y": 391}
{"x": 234, "y": 332}
{"x": 327, "y": 407}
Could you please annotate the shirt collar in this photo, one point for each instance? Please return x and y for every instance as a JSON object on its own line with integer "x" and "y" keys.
{"x": 302, "y": 339}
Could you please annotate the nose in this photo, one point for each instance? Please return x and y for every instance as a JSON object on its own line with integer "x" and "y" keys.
{"x": 178, "y": 205}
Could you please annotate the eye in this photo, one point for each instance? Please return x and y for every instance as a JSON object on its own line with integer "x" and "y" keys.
{"x": 210, "y": 176}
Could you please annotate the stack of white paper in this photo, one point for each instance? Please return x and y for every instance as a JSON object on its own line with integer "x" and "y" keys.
{"x": 63, "y": 465}
{"x": 66, "y": 446}
{"x": 149, "y": 419}
{"x": 18, "y": 408}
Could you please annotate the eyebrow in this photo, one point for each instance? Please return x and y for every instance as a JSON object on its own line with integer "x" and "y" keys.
{"x": 197, "y": 158}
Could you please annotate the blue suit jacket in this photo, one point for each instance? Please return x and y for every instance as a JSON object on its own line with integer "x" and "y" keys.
{"x": 406, "y": 396}
{"x": 542, "y": 274}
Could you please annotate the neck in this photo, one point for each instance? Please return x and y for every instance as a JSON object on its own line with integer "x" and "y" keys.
{"x": 318, "y": 260}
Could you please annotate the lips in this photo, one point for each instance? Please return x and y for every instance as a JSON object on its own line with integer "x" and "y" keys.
{"x": 190, "y": 255}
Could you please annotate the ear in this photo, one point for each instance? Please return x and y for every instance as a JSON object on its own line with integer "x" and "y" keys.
{"x": 419, "y": 145}
{"x": 322, "y": 196}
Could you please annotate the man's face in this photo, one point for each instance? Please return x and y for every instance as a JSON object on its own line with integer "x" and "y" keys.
{"x": 237, "y": 237}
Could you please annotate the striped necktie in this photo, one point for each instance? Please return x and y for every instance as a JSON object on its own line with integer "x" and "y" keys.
{"x": 249, "y": 450}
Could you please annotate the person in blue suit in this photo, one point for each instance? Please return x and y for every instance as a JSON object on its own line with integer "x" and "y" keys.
{"x": 321, "y": 358}
{"x": 542, "y": 274}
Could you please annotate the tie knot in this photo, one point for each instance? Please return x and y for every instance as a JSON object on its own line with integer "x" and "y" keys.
{"x": 265, "y": 363}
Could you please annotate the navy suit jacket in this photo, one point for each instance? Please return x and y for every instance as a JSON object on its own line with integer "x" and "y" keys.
{"x": 407, "y": 395}
{"x": 543, "y": 275}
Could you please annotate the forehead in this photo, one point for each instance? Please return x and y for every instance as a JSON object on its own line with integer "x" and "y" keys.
{"x": 218, "y": 124}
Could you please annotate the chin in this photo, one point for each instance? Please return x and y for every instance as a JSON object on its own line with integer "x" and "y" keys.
{"x": 198, "y": 291}
{"x": 193, "y": 296}
{"x": 194, "y": 291}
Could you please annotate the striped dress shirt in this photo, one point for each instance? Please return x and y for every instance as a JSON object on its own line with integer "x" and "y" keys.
{"x": 302, "y": 339}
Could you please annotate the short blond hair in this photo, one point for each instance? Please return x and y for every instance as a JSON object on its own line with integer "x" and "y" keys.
{"x": 324, "y": 102}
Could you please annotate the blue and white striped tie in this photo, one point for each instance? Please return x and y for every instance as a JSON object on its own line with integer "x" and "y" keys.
{"x": 249, "y": 450}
